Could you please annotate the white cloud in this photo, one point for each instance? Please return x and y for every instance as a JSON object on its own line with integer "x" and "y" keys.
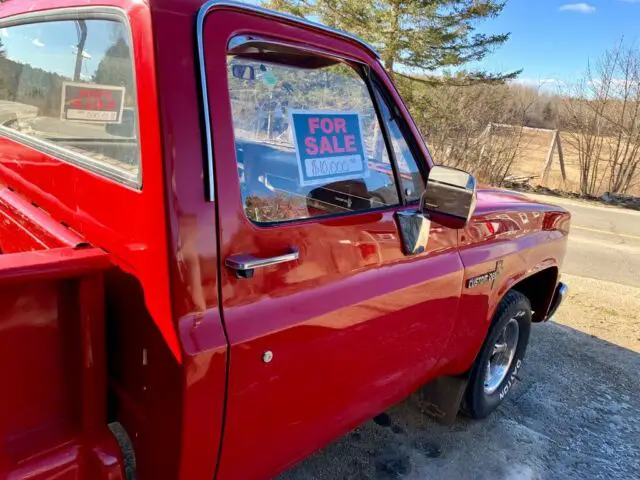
{"x": 4, "y": 32}
{"x": 615, "y": 83}
{"x": 549, "y": 80}
{"x": 37, "y": 42}
{"x": 540, "y": 82}
{"x": 578, "y": 7}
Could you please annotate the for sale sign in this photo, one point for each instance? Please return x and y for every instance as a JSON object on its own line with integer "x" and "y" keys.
{"x": 329, "y": 146}
{"x": 84, "y": 102}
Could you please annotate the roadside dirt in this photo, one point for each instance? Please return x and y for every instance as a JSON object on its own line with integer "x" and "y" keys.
{"x": 590, "y": 309}
{"x": 574, "y": 415}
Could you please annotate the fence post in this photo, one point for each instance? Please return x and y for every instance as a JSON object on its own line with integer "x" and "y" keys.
{"x": 547, "y": 163}
{"x": 561, "y": 156}
{"x": 485, "y": 133}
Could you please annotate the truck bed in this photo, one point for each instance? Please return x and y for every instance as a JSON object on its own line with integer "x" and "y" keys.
{"x": 52, "y": 372}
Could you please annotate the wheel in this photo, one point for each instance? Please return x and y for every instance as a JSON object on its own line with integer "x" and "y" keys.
{"x": 496, "y": 368}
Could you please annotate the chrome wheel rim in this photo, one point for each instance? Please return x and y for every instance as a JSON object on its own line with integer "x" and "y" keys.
{"x": 501, "y": 356}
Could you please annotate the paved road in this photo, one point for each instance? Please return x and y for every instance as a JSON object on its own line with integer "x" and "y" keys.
{"x": 574, "y": 415}
{"x": 604, "y": 242}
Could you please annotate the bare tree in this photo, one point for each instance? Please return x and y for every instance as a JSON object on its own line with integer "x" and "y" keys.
{"x": 623, "y": 114}
{"x": 585, "y": 129}
{"x": 459, "y": 124}
{"x": 601, "y": 117}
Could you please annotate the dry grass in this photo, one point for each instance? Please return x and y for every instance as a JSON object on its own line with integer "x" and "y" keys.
{"x": 593, "y": 309}
{"x": 532, "y": 154}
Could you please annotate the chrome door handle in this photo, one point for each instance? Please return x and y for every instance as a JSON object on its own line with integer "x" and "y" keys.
{"x": 245, "y": 264}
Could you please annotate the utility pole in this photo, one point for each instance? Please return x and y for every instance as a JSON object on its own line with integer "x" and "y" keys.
{"x": 81, "y": 27}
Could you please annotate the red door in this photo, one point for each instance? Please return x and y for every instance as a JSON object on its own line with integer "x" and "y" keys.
{"x": 346, "y": 324}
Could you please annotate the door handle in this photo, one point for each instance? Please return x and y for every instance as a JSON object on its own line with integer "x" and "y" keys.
{"x": 244, "y": 265}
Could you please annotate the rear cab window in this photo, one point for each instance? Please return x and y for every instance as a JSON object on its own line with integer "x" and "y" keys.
{"x": 67, "y": 88}
{"x": 308, "y": 137}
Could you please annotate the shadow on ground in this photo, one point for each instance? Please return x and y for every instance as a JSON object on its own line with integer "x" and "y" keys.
{"x": 574, "y": 415}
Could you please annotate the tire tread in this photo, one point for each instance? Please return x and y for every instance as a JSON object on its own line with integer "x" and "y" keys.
{"x": 511, "y": 299}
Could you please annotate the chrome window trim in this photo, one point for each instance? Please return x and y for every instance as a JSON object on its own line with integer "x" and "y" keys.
{"x": 85, "y": 162}
{"x": 238, "y": 40}
{"x": 202, "y": 13}
{"x": 66, "y": 13}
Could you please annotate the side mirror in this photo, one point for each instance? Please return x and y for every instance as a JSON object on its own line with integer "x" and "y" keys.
{"x": 450, "y": 196}
{"x": 243, "y": 72}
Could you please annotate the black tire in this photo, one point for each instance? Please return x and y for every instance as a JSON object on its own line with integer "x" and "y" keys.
{"x": 477, "y": 402}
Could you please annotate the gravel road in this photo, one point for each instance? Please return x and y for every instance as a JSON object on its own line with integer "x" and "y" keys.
{"x": 574, "y": 415}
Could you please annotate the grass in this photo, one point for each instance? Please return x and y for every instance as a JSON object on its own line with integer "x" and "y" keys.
{"x": 532, "y": 154}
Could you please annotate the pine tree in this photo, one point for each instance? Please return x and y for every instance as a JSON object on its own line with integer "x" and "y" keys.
{"x": 414, "y": 37}
{"x": 115, "y": 68}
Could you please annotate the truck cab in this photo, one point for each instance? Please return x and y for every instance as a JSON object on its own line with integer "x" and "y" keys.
{"x": 224, "y": 244}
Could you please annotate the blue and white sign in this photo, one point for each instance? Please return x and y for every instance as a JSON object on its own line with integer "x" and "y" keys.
{"x": 329, "y": 146}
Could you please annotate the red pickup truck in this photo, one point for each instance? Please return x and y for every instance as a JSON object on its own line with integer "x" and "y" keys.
{"x": 246, "y": 254}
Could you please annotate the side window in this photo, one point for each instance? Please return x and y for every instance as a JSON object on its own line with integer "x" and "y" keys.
{"x": 308, "y": 141}
{"x": 67, "y": 87}
{"x": 412, "y": 182}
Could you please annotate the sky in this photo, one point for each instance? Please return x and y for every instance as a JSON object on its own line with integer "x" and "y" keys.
{"x": 552, "y": 41}
{"x": 52, "y": 46}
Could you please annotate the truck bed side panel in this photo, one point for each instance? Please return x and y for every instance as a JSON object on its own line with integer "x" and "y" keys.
{"x": 52, "y": 372}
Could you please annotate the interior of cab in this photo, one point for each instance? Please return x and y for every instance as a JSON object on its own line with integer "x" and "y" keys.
{"x": 271, "y": 170}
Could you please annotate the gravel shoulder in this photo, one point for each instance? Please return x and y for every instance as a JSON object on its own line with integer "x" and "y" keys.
{"x": 574, "y": 415}
{"x": 606, "y": 310}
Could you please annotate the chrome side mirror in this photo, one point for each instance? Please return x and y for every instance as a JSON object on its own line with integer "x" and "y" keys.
{"x": 449, "y": 197}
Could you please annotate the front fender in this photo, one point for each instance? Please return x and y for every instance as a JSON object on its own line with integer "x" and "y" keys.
{"x": 500, "y": 252}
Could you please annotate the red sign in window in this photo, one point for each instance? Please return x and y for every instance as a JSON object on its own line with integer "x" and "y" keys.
{"x": 84, "y": 102}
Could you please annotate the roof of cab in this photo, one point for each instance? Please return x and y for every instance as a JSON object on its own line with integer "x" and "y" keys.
{"x": 9, "y": 9}
{"x": 207, "y": 6}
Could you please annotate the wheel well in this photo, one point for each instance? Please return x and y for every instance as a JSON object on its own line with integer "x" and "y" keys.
{"x": 539, "y": 289}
